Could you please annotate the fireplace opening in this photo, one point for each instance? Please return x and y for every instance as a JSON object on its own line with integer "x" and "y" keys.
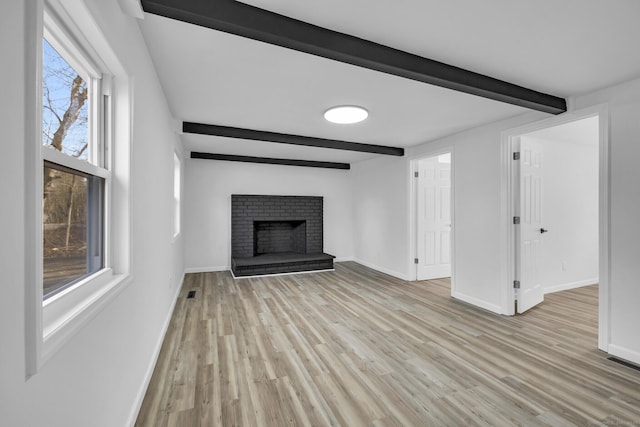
{"x": 271, "y": 237}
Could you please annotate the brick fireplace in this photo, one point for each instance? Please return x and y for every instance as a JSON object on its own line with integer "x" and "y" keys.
{"x": 277, "y": 234}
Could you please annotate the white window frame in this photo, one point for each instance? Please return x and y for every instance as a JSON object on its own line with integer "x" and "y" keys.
{"x": 71, "y": 29}
{"x": 177, "y": 195}
{"x": 98, "y": 83}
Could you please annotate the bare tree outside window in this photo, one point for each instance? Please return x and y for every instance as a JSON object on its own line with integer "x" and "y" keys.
{"x": 65, "y": 115}
{"x": 67, "y": 193}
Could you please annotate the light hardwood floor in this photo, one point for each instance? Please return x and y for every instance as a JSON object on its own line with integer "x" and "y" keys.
{"x": 356, "y": 347}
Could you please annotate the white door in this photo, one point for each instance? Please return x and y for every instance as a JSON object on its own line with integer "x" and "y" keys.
{"x": 434, "y": 218}
{"x": 530, "y": 231}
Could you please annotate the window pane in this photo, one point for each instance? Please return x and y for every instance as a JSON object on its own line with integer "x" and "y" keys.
{"x": 176, "y": 194}
{"x": 65, "y": 106}
{"x": 72, "y": 227}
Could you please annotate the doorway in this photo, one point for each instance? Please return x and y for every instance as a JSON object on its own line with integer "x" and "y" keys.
{"x": 433, "y": 213}
{"x": 557, "y": 210}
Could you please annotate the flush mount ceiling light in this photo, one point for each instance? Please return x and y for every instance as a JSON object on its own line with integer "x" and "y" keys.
{"x": 346, "y": 114}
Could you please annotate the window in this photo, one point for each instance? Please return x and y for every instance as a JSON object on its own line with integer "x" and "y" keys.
{"x": 74, "y": 178}
{"x": 78, "y": 180}
{"x": 72, "y": 230}
{"x": 176, "y": 194}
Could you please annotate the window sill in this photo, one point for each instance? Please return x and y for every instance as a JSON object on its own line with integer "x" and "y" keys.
{"x": 65, "y": 313}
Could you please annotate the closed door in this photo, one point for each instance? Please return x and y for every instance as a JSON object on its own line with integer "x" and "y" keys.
{"x": 529, "y": 234}
{"x": 434, "y": 218}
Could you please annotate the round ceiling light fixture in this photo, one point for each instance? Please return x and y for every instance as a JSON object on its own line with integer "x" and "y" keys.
{"x": 346, "y": 114}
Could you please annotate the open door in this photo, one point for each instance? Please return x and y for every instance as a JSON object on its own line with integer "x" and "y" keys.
{"x": 434, "y": 217}
{"x": 530, "y": 231}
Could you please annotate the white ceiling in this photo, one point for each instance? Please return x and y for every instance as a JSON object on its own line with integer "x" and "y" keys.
{"x": 562, "y": 48}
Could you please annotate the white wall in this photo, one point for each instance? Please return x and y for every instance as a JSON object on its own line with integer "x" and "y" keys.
{"x": 210, "y": 184}
{"x": 381, "y": 210}
{"x": 624, "y": 134}
{"x": 569, "y": 257}
{"x": 97, "y": 378}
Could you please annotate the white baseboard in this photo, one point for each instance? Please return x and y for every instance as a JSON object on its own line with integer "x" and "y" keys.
{"x": 624, "y": 353}
{"x": 207, "y": 269}
{"x": 344, "y": 259}
{"x": 477, "y": 302}
{"x": 382, "y": 269}
{"x": 571, "y": 285}
{"x": 156, "y": 353}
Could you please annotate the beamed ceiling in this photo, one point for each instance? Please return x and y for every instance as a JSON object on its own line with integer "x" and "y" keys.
{"x": 252, "y": 80}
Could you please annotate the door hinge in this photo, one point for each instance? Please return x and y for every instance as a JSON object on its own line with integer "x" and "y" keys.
{"x": 415, "y": 174}
{"x": 516, "y": 284}
{"x": 516, "y": 155}
{"x": 415, "y": 260}
{"x": 516, "y": 220}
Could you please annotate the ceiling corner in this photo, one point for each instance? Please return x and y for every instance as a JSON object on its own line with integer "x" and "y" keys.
{"x": 132, "y": 8}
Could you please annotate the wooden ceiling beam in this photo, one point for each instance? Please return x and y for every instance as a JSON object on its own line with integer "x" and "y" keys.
{"x": 248, "y": 21}
{"x": 270, "y": 161}
{"x": 285, "y": 138}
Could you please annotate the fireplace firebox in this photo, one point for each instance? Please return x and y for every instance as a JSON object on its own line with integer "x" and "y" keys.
{"x": 277, "y": 234}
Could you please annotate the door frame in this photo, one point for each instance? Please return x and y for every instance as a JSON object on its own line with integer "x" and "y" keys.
{"x": 413, "y": 208}
{"x": 509, "y": 139}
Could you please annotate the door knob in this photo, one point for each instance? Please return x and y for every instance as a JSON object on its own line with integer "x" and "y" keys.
{"x": 543, "y": 230}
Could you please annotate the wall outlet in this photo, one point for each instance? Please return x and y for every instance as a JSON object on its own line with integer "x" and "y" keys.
{"x": 564, "y": 266}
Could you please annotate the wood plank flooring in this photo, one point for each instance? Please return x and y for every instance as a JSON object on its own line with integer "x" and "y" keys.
{"x": 356, "y": 347}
